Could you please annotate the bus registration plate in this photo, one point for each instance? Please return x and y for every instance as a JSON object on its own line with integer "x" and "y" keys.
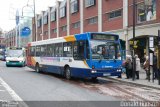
{"x": 106, "y": 74}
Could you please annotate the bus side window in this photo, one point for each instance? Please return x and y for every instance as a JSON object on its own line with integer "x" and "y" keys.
{"x": 58, "y": 50}
{"x": 78, "y": 50}
{"x": 50, "y": 50}
{"x": 32, "y": 51}
{"x": 67, "y": 49}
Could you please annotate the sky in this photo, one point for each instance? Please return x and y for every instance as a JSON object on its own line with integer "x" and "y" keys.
{"x": 8, "y": 10}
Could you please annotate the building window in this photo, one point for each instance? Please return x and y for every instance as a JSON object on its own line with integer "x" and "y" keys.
{"x": 39, "y": 22}
{"x": 146, "y": 11}
{"x": 54, "y": 30}
{"x": 89, "y": 3}
{"x": 93, "y": 20}
{"x": 115, "y": 14}
{"x": 64, "y": 28}
{"x": 76, "y": 25}
{"x": 53, "y": 16}
{"x": 74, "y": 6}
{"x": 45, "y": 19}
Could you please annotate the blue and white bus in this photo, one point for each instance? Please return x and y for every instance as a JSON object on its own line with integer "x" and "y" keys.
{"x": 87, "y": 55}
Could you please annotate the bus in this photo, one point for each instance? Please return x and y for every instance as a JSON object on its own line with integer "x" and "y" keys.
{"x": 78, "y": 55}
{"x": 15, "y": 57}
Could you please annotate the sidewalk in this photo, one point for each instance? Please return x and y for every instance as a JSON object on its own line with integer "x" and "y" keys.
{"x": 141, "y": 82}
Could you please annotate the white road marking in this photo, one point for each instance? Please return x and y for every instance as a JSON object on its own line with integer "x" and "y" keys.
{"x": 13, "y": 93}
{"x": 2, "y": 90}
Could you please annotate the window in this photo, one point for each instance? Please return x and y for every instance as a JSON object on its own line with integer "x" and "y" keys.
{"x": 53, "y": 16}
{"x": 38, "y": 50}
{"x": 115, "y": 14}
{"x": 146, "y": 11}
{"x": 93, "y": 20}
{"x": 74, "y": 6}
{"x": 79, "y": 50}
{"x": 50, "y": 50}
{"x": 58, "y": 50}
{"x": 32, "y": 51}
{"x": 45, "y": 19}
{"x": 54, "y": 30}
{"x": 64, "y": 28}
{"x": 43, "y": 50}
{"x": 39, "y": 22}
{"x": 76, "y": 25}
{"x": 67, "y": 49}
{"x": 89, "y": 3}
{"x": 62, "y": 12}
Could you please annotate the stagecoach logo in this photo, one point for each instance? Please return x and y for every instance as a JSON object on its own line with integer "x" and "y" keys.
{"x": 107, "y": 66}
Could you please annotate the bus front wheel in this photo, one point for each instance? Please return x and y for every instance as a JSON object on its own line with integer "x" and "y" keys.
{"x": 68, "y": 73}
{"x": 94, "y": 79}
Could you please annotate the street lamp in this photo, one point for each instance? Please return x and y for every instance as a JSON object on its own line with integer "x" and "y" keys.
{"x": 134, "y": 60}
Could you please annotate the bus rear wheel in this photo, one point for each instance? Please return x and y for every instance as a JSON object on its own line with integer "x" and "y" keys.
{"x": 68, "y": 73}
{"x": 37, "y": 69}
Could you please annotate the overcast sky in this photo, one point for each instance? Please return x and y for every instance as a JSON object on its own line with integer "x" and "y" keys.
{"x": 8, "y": 9}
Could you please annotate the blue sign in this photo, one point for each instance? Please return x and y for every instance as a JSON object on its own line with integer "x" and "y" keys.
{"x": 25, "y": 32}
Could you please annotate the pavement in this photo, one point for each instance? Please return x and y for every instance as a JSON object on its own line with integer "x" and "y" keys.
{"x": 141, "y": 82}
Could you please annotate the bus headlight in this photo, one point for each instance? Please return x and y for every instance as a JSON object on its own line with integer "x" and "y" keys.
{"x": 119, "y": 70}
{"x": 93, "y": 71}
{"x": 20, "y": 61}
{"x": 7, "y": 61}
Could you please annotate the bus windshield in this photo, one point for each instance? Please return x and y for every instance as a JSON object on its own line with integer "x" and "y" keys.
{"x": 15, "y": 53}
{"x": 105, "y": 50}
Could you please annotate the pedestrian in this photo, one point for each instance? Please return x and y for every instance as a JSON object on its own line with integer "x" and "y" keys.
{"x": 128, "y": 66}
{"x": 138, "y": 66}
{"x": 146, "y": 68}
{"x": 155, "y": 70}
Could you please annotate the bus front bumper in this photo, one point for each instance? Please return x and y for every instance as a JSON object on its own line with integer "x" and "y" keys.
{"x": 103, "y": 73}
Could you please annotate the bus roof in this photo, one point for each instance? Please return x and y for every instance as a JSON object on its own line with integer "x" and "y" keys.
{"x": 76, "y": 37}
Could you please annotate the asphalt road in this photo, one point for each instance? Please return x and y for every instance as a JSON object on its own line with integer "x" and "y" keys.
{"x": 24, "y": 84}
{"x": 32, "y": 86}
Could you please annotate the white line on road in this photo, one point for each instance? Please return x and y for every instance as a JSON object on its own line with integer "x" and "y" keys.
{"x": 2, "y": 90}
{"x": 13, "y": 93}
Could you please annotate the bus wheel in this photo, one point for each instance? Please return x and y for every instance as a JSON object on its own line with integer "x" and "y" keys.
{"x": 94, "y": 79}
{"x": 37, "y": 69}
{"x": 68, "y": 73}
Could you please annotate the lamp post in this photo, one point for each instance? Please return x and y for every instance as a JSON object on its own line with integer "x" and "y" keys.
{"x": 134, "y": 60}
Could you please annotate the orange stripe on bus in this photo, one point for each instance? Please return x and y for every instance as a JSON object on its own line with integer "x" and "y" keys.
{"x": 33, "y": 62}
{"x": 70, "y": 38}
{"x": 86, "y": 63}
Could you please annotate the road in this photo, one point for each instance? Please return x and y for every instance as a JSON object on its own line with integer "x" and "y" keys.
{"x": 31, "y": 86}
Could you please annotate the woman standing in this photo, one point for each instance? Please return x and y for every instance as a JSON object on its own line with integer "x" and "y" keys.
{"x": 138, "y": 66}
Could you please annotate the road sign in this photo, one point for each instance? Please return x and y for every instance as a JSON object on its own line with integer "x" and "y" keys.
{"x": 25, "y": 32}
